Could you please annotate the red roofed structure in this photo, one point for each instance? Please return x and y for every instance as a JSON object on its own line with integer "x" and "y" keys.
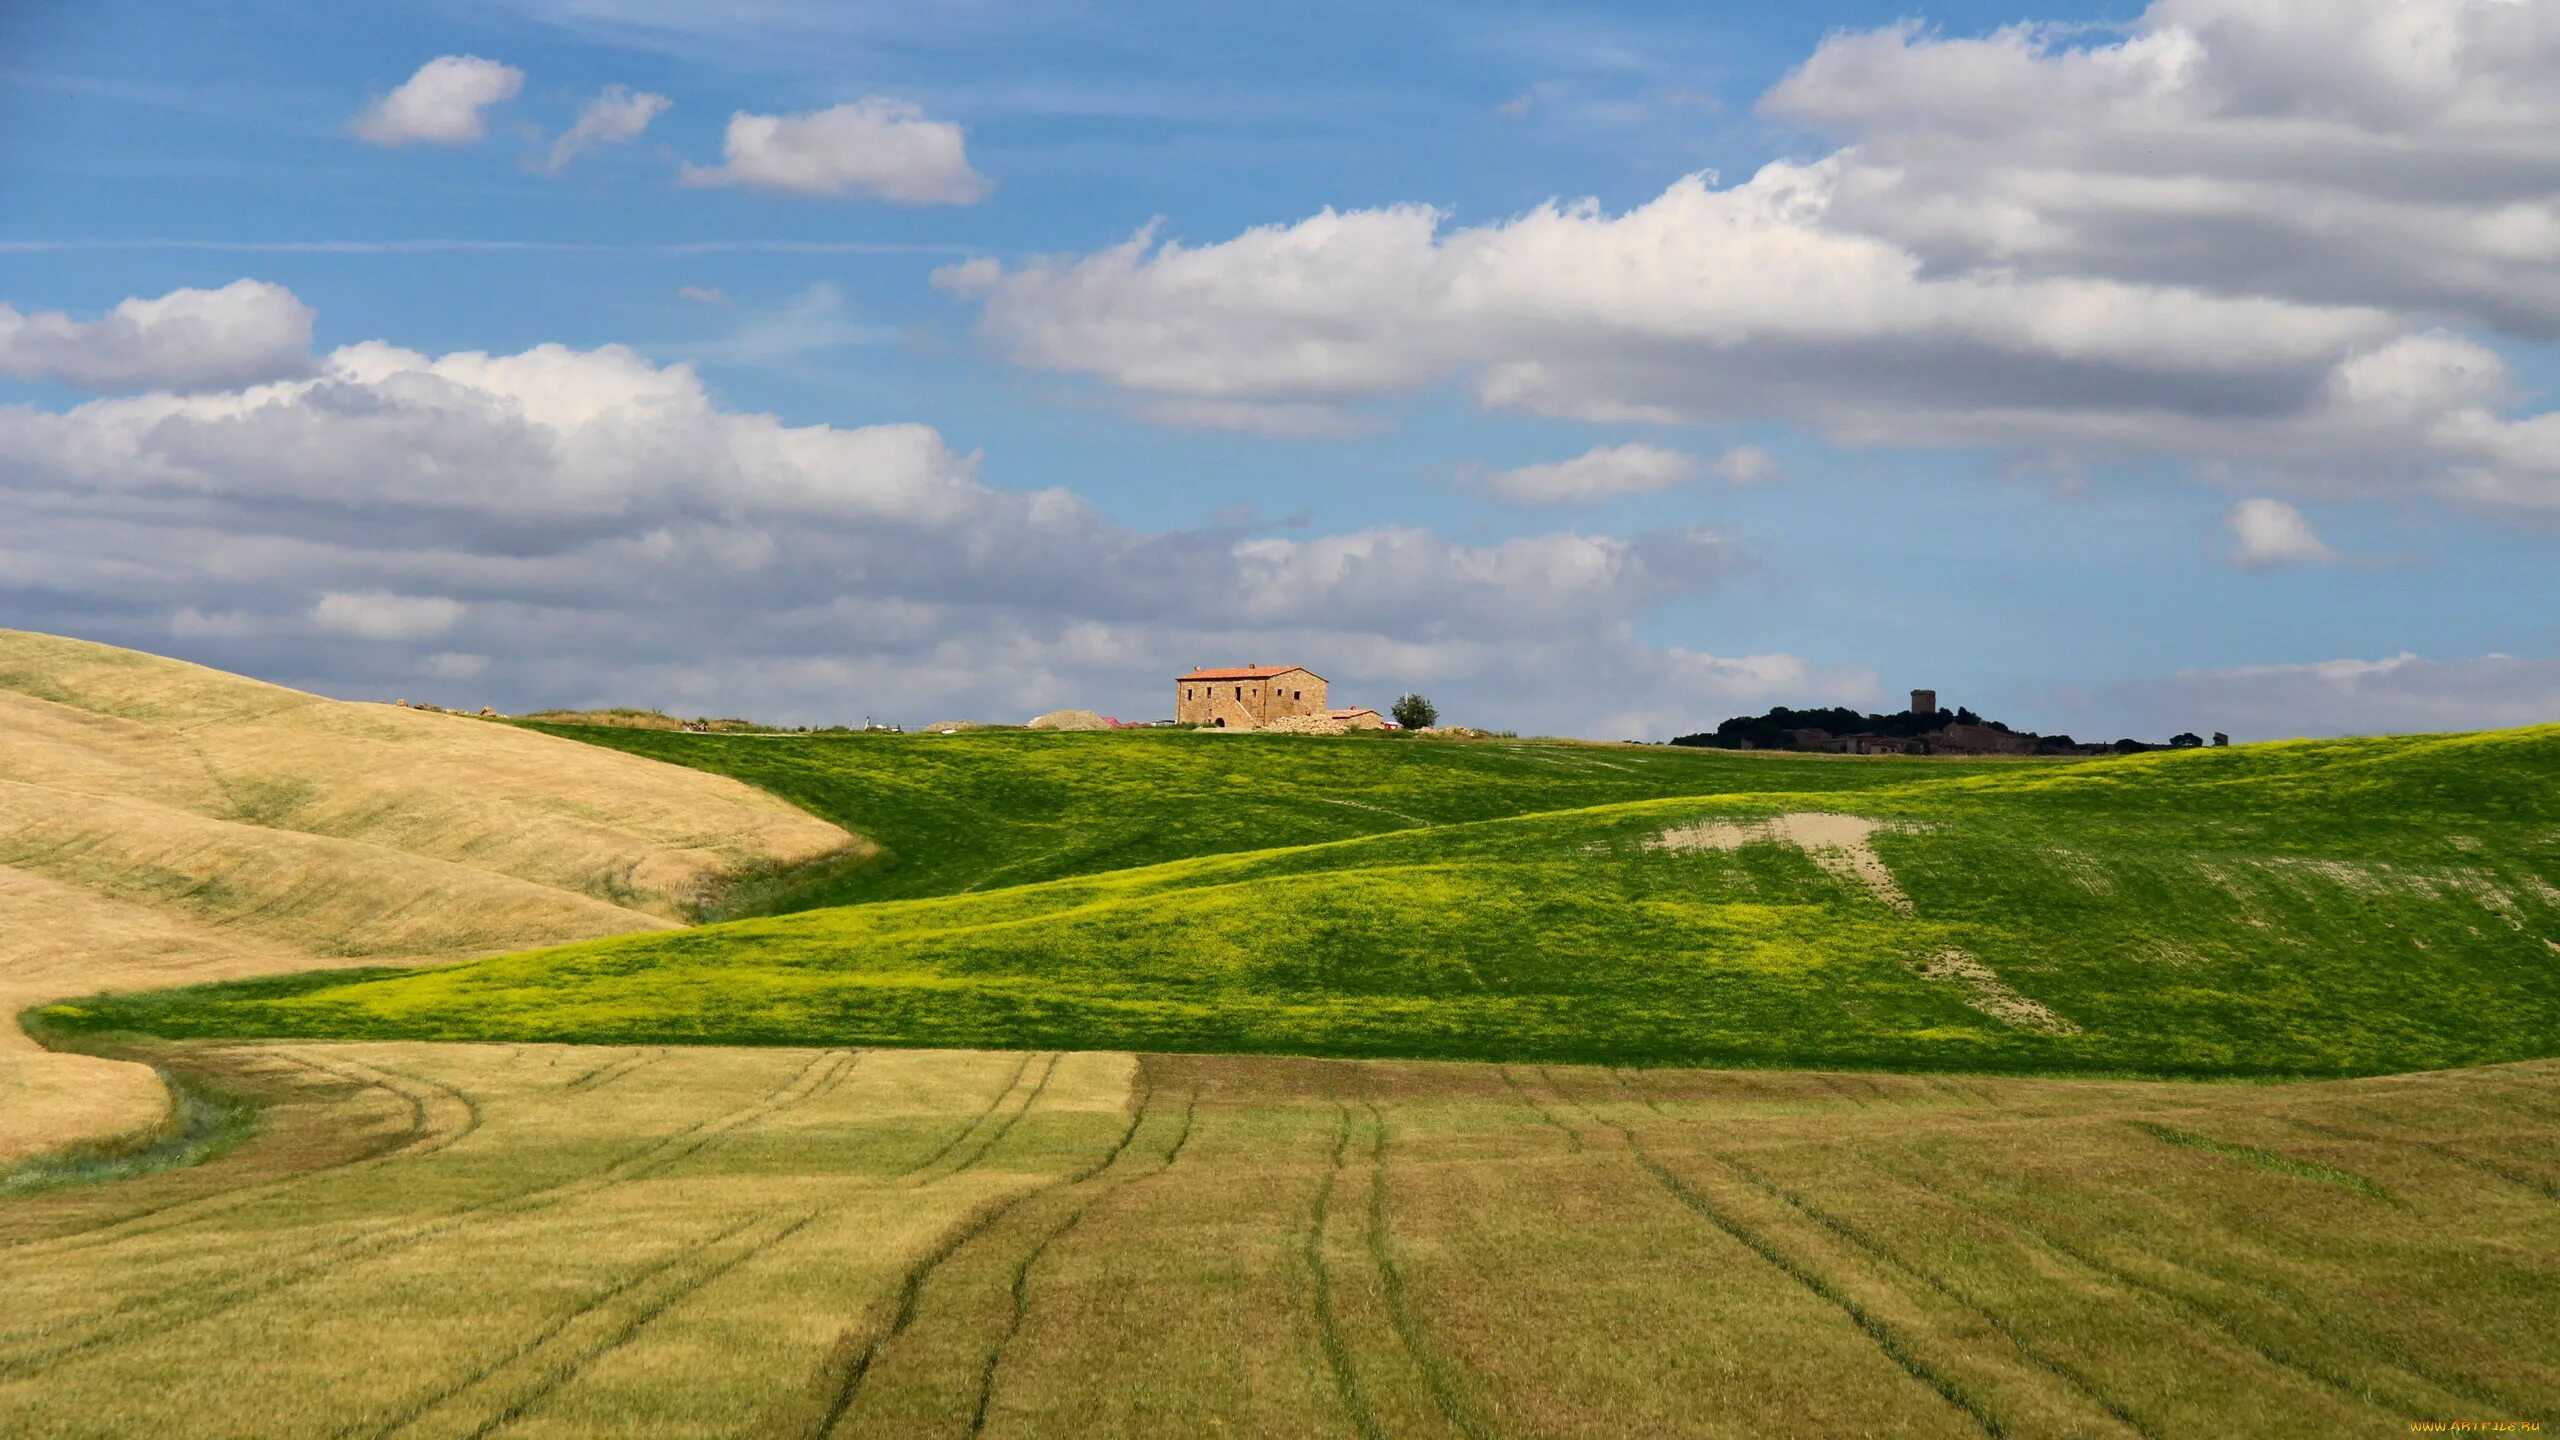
{"x": 1246, "y": 697}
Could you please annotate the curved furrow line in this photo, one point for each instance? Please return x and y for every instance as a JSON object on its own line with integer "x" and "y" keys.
{"x": 2529, "y": 1183}
{"x": 842, "y": 1377}
{"x": 2159, "y": 1296}
{"x": 1881, "y": 1335}
{"x": 762, "y": 1232}
{"x": 1446, "y": 1392}
{"x": 612, "y": 1070}
{"x": 1337, "y": 1352}
{"x": 965, "y": 1131}
{"x": 174, "y": 1309}
{"x": 198, "y": 1207}
{"x": 993, "y": 1137}
{"x": 1877, "y": 1251}
{"x": 1021, "y": 1286}
{"x": 1573, "y": 1137}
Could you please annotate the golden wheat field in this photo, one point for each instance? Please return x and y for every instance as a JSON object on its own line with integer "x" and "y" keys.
{"x": 164, "y": 824}
{"x": 550, "y": 1241}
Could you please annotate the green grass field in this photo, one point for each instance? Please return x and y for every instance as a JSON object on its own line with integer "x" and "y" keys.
{"x": 2313, "y": 908}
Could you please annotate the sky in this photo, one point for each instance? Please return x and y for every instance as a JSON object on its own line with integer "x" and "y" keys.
{"x": 1604, "y": 370}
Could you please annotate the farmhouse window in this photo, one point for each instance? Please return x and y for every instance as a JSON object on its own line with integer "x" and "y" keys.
{"x": 1239, "y": 692}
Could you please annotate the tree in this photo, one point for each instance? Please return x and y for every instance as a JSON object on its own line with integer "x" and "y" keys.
{"x": 2186, "y": 741}
{"x": 1414, "y": 713}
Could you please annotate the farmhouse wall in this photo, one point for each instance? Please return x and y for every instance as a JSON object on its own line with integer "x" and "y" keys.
{"x": 1247, "y": 702}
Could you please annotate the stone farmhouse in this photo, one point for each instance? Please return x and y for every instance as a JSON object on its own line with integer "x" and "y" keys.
{"x": 1246, "y": 697}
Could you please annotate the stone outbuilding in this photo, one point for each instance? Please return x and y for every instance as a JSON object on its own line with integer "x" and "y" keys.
{"x": 1361, "y": 718}
{"x": 1246, "y": 697}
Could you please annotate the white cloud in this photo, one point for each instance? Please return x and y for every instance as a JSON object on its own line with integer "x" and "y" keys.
{"x": 1747, "y": 465}
{"x": 2382, "y": 151}
{"x": 441, "y": 104}
{"x": 381, "y": 615}
{"x": 2231, "y": 234}
{"x": 601, "y": 528}
{"x": 2399, "y": 694}
{"x": 702, "y": 294}
{"x": 187, "y": 339}
{"x": 2269, "y": 533}
{"x": 875, "y": 146}
{"x": 809, "y": 323}
{"x": 1600, "y": 473}
{"x": 615, "y": 117}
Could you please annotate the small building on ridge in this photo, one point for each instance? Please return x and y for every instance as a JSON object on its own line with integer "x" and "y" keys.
{"x": 1246, "y": 697}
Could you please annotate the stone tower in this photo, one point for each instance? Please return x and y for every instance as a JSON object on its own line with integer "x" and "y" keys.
{"x": 1924, "y": 702}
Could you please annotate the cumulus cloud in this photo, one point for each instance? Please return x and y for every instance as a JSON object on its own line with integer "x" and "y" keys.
{"x": 440, "y": 105}
{"x": 875, "y": 147}
{"x": 381, "y": 615}
{"x": 2398, "y": 694}
{"x": 702, "y": 294}
{"x": 2235, "y": 234}
{"x": 1747, "y": 465}
{"x": 245, "y": 332}
{"x": 2361, "y": 151}
{"x": 615, "y": 117}
{"x": 2267, "y": 534}
{"x": 1603, "y": 472}
{"x": 596, "y": 526}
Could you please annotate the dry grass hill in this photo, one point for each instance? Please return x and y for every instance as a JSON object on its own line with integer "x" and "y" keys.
{"x": 162, "y": 823}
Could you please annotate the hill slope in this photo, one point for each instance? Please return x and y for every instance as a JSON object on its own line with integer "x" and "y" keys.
{"x": 163, "y": 823}
{"x": 988, "y": 809}
{"x": 2310, "y": 908}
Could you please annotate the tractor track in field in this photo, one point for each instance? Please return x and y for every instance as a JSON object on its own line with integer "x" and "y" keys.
{"x": 612, "y": 1070}
{"x": 2186, "y": 1309}
{"x": 423, "y": 1137}
{"x": 843, "y": 1374}
{"x": 1337, "y": 1352}
{"x": 1885, "y": 1338}
{"x": 559, "y": 1373}
{"x": 1021, "y": 1287}
{"x": 1876, "y": 1251}
{"x": 173, "y": 1309}
{"x": 2529, "y": 1183}
{"x": 1436, "y": 1369}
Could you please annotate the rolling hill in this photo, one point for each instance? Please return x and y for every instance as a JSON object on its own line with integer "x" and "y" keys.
{"x": 2313, "y": 908}
{"x": 162, "y": 823}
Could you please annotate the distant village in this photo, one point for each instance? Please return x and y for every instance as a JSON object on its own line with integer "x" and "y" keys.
{"x": 1924, "y": 729}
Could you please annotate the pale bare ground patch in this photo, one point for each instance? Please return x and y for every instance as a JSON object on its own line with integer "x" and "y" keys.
{"x": 1843, "y": 846}
{"x": 1179, "y": 1246}
{"x": 163, "y": 823}
{"x": 1985, "y": 991}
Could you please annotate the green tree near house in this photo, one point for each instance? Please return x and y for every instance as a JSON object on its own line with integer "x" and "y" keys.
{"x": 1414, "y": 713}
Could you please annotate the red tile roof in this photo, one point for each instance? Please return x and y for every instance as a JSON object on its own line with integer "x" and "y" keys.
{"x": 1245, "y": 672}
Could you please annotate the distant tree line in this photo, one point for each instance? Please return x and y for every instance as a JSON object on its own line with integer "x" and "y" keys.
{"x": 1777, "y": 730}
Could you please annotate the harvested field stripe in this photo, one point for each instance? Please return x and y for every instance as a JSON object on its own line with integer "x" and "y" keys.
{"x": 403, "y": 1146}
{"x": 1337, "y": 1354}
{"x": 1021, "y": 1288}
{"x": 1572, "y": 1137}
{"x": 1436, "y": 1376}
{"x": 2531, "y": 1184}
{"x": 187, "y": 1305}
{"x": 2160, "y": 1296}
{"x": 992, "y": 1138}
{"x": 844, "y": 1388}
{"x": 965, "y": 1131}
{"x": 1869, "y": 1246}
{"x": 2265, "y": 1159}
{"x": 1876, "y": 1330}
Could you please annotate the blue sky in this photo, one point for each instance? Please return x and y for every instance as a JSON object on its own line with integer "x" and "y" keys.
{"x": 2010, "y": 395}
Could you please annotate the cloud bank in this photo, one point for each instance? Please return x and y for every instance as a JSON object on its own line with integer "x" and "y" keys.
{"x": 245, "y": 332}
{"x": 2220, "y": 238}
{"x": 580, "y": 526}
